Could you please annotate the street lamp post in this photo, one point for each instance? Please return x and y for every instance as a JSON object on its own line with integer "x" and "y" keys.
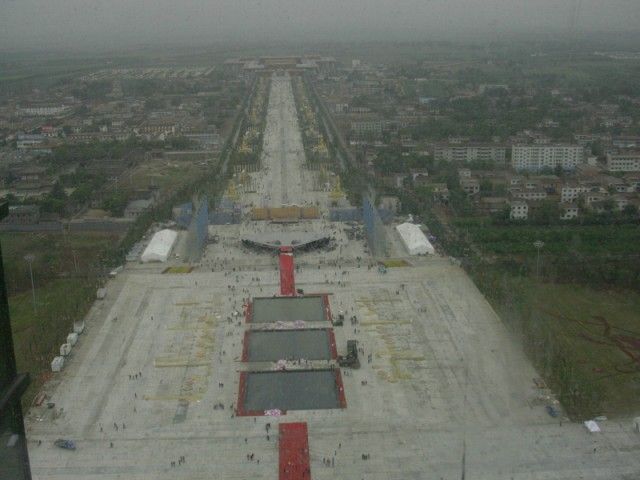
{"x": 29, "y": 258}
{"x": 75, "y": 261}
{"x": 538, "y": 244}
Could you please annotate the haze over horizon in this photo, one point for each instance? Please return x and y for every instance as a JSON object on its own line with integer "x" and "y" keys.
{"x": 120, "y": 23}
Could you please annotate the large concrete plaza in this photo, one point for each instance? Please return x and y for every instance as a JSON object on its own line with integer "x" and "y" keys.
{"x": 155, "y": 375}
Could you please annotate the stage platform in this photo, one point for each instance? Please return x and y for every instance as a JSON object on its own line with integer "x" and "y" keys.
{"x": 290, "y": 390}
{"x": 274, "y": 345}
{"x": 310, "y": 308}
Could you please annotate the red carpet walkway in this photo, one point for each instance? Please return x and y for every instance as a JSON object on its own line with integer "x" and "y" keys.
{"x": 294, "y": 452}
{"x": 287, "y": 273}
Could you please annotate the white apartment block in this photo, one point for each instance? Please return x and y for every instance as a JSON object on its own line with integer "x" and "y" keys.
{"x": 537, "y": 157}
{"x": 470, "y": 153}
{"x": 570, "y": 193}
{"x": 623, "y": 162}
{"x": 529, "y": 194}
{"x": 519, "y": 210}
{"x": 43, "y": 110}
{"x": 367, "y": 126}
{"x": 26, "y": 140}
{"x": 568, "y": 212}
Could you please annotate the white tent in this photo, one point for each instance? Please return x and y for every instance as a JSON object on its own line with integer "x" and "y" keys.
{"x": 160, "y": 246}
{"x": 413, "y": 238}
{"x": 65, "y": 349}
{"x": 57, "y": 364}
{"x": 592, "y": 426}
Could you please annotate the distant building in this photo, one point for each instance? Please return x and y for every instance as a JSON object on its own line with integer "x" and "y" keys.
{"x": 87, "y": 137}
{"x": 464, "y": 173}
{"x": 568, "y": 211}
{"x": 620, "y": 201}
{"x": 340, "y": 107}
{"x": 440, "y": 192}
{"x": 419, "y": 176}
{"x": 157, "y": 127}
{"x": 519, "y": 210}
{"x": 571, "y": 192}
{"x": 537, "y": 157}
{"x": 528, "y": 194}
{"x": 43, "y": 110}
{"x": 23, "y": 215}
{"x": 293, "y": 63}
{"x": 495, "y": 154}
{"x": 30, "y": 173}
{"x": 205, "y": 141}
{"x": 471, "y": 186}
{"x": 49, "y": 131}
{"x": 623, "y": 162}
{"x": 368, "y": 126}
{"x": 25, "y": 141}
{"x": 136, "y": 207}
{"x": 626, "y": 142}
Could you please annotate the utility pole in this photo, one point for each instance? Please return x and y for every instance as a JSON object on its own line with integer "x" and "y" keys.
{"x": 29, "y": 258}
{"x": 538, "y": 244}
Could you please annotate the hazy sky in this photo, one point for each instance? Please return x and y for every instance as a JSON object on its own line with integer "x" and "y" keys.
{"x": 116, "y": 23}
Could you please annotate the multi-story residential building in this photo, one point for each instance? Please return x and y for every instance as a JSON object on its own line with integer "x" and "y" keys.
{"x": 471, "y": 186}
{"x": 43, "y": 110}
{"x": 571, "y": 192}
{"x": 623, "y": 162}
{"x": 568, "y": 211}
{"x": 549, "y": 183}
{"x": 626, "y": 142}
{"x": 158, "y": 126}
{"x": 537, "y": 157}
{"x": 440, "y": 192}
{"x": 633, "y": 181}
{"x": 519, "y": 210}
{"x": 584, "y": 139}
{"x": 340, "y": 107}
{"x": 495, "y": 154}
{"x": 528, "y": 194}
{"x": 135, "y": 208}
{"x": 367, "y": 126}
{"x": 595, "y": 197}
{"x": 120, "y": 136}
{"x": 205, "y": 140}
{"x": 49, "y": 131}
{"x": 26, "y": 140}
{"x": 620, "y": 201}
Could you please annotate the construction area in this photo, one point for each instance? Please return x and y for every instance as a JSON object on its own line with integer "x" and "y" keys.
{"x": 266, "y": 361}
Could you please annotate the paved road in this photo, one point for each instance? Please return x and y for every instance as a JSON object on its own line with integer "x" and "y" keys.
{"x": 282, "y": 180}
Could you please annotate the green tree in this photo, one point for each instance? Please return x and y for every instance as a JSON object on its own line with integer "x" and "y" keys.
{"x": 115, "y": 204}
{"x": 547, "y": 213}
{"x": 630, "y": 211}
{"x": 486, "y": 187}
